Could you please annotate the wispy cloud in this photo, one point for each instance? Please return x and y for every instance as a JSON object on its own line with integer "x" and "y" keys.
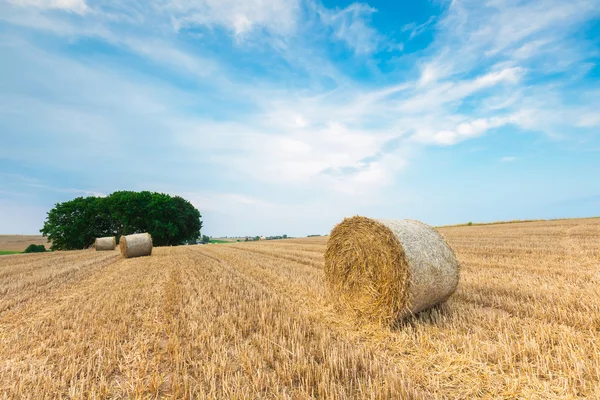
{"x": 351, "y": 25}
{"x": 238, "y": 16}
{"x": 417, "y": 29}
{"x": 252, "y": 92}
{"x": 463, "y": 131}
{"x": 18, "y": 182}
{"x": 76, "y": 6}
{"x": 80, "y": 192}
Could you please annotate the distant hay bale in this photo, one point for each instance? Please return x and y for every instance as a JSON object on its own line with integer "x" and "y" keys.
{"x": 105, "y": 243}
{"x": 137, "y": 245}
{"x": 385, "y": 270}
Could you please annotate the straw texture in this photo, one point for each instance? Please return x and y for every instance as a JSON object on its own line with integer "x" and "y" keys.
{"x": 137, "y": 245}
{"x": 105, "y": 243}
{"x": 388, "y": 269}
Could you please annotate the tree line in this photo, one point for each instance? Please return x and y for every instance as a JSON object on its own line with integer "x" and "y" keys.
{"x": 75, "y": 224}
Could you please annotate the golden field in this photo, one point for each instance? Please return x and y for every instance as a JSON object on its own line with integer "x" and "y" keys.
{"x": 252, "y": 320}
{"x": 20, "y": 242}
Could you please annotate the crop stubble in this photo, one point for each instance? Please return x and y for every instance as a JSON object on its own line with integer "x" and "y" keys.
{"x": 252, "y": 320}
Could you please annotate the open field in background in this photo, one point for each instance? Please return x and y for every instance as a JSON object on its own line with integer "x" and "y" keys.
{"x": 19, "y": 243}
{"x": 223, "y": 240}
{"x": 251, "y": 320}
{"x": 516, "y": 221}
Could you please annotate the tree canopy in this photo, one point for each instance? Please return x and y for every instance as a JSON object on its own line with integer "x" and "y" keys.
{"x": 75, "y": 224}
{"x": 35, "y": 248}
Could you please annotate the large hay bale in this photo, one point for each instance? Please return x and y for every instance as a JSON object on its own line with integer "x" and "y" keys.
{"x": 137, "y": 245}
{"x": 388, "y": 269}
{"x": 105, "y": 243}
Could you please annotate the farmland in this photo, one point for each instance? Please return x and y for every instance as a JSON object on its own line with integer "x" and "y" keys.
{"x": 18, "y": 243}
{"x": 252, "y": 320}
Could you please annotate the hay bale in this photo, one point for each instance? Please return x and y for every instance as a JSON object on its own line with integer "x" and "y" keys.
{"x": 137, "y": 245}
{"x": 388, "y": 269}
{"x": 105, "y": 243}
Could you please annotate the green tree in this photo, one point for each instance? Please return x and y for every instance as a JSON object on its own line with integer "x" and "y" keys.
{"x": 205, "y": 239}
{"x": 77, "y": 223}
{"x": 35, "y": 248}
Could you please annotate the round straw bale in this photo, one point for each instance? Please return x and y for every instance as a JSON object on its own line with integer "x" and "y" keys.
{"x": 136, "y": 245}
{"x": 388, "y": 269}
{"x": 105, "y": 243}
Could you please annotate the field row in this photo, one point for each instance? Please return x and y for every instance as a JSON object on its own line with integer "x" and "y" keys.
{"x": 252, "y": 320}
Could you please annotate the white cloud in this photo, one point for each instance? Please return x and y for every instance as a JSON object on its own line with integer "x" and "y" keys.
{"x": 560, "y": 113}
{"x": 316, "y": 128}
{"x": 430, "y": 72}
{"x": 238, "y": 16}
{"x": 224, "y": 202}
{"x": 351, "y": 25}
{"x": 76, "y": 6}
{"x": 417, "y": 29}
{"x": 463, "y": 131}
{"x": 78, "y": 192}
{"x": 291, "y": 155}
{"x": 306, "y": 134}
{"x": 508, "y": 159}
{"x": 474, "y": 33}
{"x": 588, "y": 119}
{"x": 430, "y": 94}
{"x": 486, "y": 54}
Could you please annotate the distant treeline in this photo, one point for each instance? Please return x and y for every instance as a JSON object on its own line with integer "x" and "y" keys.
{"x": 257, "y": 238}
{"x": 276, "y": 237}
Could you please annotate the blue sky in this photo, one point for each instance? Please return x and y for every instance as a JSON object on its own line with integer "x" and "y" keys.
{"x": 284, "y": 116}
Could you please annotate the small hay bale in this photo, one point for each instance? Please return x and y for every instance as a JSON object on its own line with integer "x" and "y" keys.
{"x": 105, "y": 243}
{"x": 385, "y": 270}
{"x": 137, "y": 245}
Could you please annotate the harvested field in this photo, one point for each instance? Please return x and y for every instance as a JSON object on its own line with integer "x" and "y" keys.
{"x": 20, "y": 242}
{"x": 251, "y": 320}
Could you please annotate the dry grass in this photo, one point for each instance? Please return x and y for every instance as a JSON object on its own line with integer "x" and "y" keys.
{"x": 20, "y": 242}
{"x": 251, "y": 321}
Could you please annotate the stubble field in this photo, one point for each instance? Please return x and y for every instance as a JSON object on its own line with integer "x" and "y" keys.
{"x": 252, "y": 320}
{"x": 19, "y": 243}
